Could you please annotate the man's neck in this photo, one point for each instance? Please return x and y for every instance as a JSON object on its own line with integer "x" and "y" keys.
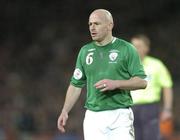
{"x": 105, "y": 41}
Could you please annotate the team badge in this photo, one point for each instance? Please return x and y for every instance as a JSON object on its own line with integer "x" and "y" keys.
{"x": 77, "y": 74}
{"x": 113, "y": 56}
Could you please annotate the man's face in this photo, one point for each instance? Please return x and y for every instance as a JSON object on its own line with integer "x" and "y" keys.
{"x": 98, "y": 27}
{"x": 141, "y": 47}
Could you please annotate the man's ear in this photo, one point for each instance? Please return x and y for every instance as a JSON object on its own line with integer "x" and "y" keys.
{"x": 110, "y": 27}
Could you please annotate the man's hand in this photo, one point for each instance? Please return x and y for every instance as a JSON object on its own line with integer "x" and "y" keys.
{"x": 106, "y": 84}
{"x": 62, "y": 121}
{"x": 165, "y": 115}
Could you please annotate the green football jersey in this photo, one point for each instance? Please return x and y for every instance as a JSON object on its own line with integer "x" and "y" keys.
{"x": 117, "y": 60}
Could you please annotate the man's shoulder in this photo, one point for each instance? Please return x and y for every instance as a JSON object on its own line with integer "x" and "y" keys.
{"x": 154, "y": 60}
{"x": 88, "y": 47}
{"x": 124, "y": 43}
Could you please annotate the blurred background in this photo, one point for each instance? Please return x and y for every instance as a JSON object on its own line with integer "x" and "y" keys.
{"x": 39, "y": 43}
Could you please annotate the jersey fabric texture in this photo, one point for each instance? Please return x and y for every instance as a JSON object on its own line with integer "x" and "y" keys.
{"x": 158, "y": 76}
{"x": 117, "y": 60}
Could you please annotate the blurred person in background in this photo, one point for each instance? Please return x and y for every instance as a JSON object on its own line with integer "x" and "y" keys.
{"x": 110, "y": 67}
{"x": 147, "y": 102}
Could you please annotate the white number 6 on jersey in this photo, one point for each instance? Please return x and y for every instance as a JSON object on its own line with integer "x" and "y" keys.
{"x": 89, "y": 58}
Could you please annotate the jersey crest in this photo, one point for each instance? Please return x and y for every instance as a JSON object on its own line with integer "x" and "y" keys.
{"x": 113, "y": 56}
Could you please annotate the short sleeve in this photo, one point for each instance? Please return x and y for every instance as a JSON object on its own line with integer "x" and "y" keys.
{"x": 135, "y": 67}
{"x": 79, "y": 78}
{"x": 164, "y": 76}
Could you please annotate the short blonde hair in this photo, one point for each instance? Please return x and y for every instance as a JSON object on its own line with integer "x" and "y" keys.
{"x": 106, "y": 13}
{"x": 144, "y": 38}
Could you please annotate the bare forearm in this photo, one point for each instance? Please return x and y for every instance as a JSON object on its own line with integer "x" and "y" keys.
{"x": 72, "y": 96}
{"x": 167, "y": 104}
{"x": 167, "y": 98}
{"x": 131, "y": 84}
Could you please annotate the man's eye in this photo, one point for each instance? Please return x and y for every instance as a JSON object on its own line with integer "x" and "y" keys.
{"x": 98, "y": 23}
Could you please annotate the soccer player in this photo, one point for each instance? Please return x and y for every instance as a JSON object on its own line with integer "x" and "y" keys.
{"x": 110, "y": 68}
{"x": 146, "y": 108}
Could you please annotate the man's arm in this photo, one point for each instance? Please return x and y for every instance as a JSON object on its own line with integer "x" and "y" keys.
{"x": 167, "y": 103}
{"x": 72, "y": 96}
{"x": 131, "y": 84}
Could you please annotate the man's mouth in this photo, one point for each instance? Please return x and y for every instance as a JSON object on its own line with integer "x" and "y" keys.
{"x": 93, "y": 34}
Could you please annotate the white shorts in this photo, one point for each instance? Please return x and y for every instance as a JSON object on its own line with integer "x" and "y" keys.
{"x": 109, "y": 125}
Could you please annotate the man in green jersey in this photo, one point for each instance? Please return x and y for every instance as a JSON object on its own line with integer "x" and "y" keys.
{"x": 146, "y": 108}
{"x": 110, "y": 68}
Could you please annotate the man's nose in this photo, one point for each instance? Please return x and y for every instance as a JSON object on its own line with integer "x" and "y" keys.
{"x": 92, "y": 27}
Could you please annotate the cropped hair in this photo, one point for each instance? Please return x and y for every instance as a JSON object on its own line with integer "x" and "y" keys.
{"x": 144, "y": 38}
